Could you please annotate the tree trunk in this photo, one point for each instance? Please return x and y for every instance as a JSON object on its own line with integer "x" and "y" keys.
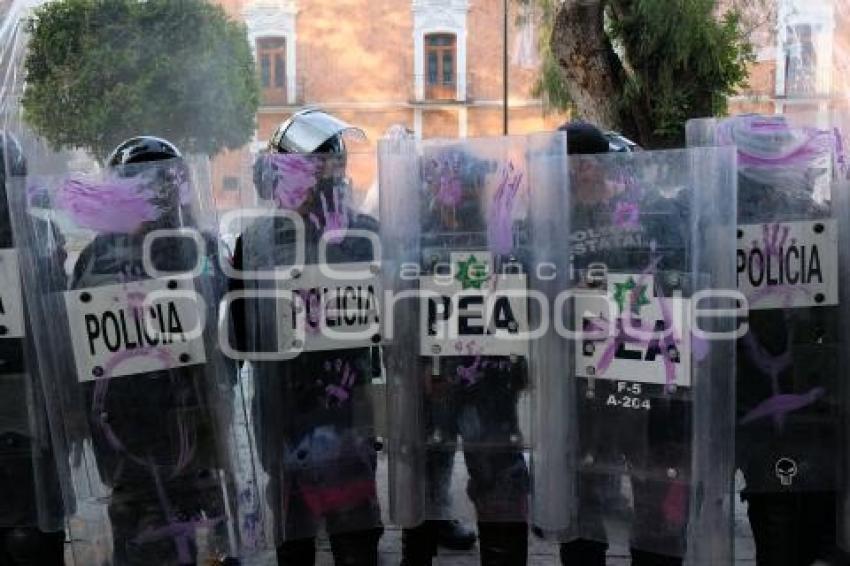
{"x": 593, "y": 73}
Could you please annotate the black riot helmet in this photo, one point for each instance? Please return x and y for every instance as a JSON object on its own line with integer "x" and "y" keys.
{"x": 584, "y": 138}
{"x": 307, "y": 132}
{"x": 169, "y": 182}
{"x": 312, "y": 131}
{"x": 143, "y": 149}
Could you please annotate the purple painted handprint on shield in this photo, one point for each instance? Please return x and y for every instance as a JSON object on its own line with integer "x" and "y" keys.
{"x": 627, "y": 216}
{"x": 442, "y": 179}
{"x": 500, "y": 234}
{"x": 334, "y": 222}
{"x": 339, "y": 393}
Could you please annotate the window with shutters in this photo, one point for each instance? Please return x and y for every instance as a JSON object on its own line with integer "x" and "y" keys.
{"x": 271, "y": 63}
{"x": 440, "y": 66}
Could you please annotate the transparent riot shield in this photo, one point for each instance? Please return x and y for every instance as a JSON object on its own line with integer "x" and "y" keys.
{"x": 792, "y": 363}
{"x": 460, "y": 313}
{"x": 124, "y": 323}
{"x": 30, "y": 496}
{"x": 648, "y": 373}
{"x": 305, "y": 300}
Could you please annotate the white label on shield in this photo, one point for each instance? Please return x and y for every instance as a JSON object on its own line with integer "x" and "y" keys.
{"x": 333, "y": 307}
{"x": 788, "y": 264}
{"x": 133, "y": 328}
{"x": 472, "y": 311}
{"x": 11, "y": 303}
{"x": 648, "y": 342}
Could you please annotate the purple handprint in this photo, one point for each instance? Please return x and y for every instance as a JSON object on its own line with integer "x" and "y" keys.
{"x": 340, "y": 393}
{"x": 336, "y": 221}
{"x": 470, "y": 375}
{"x": 627, "y": 215}
{"x": 449, "y": 189}
{"x": 500, "y": 226}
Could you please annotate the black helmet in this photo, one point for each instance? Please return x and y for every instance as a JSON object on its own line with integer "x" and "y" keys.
{"x": 585, "y": 138}
{"x": 312, "y": 131}
{"x": 143, "y": 149}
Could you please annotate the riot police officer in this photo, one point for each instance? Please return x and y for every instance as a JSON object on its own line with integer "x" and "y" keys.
{"x": 157, "y": 433}
{"x": 453, "y": 210}
{"x": 312, "y": 409}
{"x": 638, "y": 393}
{"x": 790, "y": 375}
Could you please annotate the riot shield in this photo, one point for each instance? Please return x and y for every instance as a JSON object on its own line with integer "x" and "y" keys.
{"x": 650, "y": 387}
{"x": 792, "y": 363}
{"x": 125, "y": 332}
{"x": 458, "y": 256}
{"x": 30, "y": 497}
{"x": 305, "y": 301}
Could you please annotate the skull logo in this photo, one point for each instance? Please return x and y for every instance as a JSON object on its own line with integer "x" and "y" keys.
{"x": 786, "y": 469}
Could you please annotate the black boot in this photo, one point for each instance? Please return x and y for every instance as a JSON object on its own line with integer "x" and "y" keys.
{"x": 419, "y": 544}
{"x": 455, "y": 535}
{"x": 357, "y": 548}
{"x": 503, "y": 544}
{"x": 28, "y": 546}
{"x": 583, "y": 552}
{"x": 644, "y": 558}
{"x": 300, "y": 552}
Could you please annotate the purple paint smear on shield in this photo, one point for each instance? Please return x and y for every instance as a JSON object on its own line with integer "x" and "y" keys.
{"x": 500, "y": 226}
{"x": 840, "y": 155}
{"x": 337, "y": 394}
{"x": 769, "y": 141}
{"x": 445, "y": 174}
{"x": 774, "y": 239}
{"x": 627, "y": 216}
{"x": 665, "y": 339}
{"x": 294, "y": 179}
{"x": 116, "y": 205}
{"x": 181, "y": 532}
{"x": 778, "y": 405}
{"x": 334, "y": 222}
{"x": 469, "y": 375}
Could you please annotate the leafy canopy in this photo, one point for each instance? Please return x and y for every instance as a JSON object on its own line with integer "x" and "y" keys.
{"x": 101, "y": 71}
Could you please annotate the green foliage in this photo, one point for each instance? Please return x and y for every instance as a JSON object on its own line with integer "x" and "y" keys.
{"x": 681, "y": 59}
{"x": 101, "y": 71}
{"x": 550, "y": 83}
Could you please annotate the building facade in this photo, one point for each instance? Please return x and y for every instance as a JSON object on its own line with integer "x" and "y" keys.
{"x": 802, "y": 60}
{"x": 433, "y": 66}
